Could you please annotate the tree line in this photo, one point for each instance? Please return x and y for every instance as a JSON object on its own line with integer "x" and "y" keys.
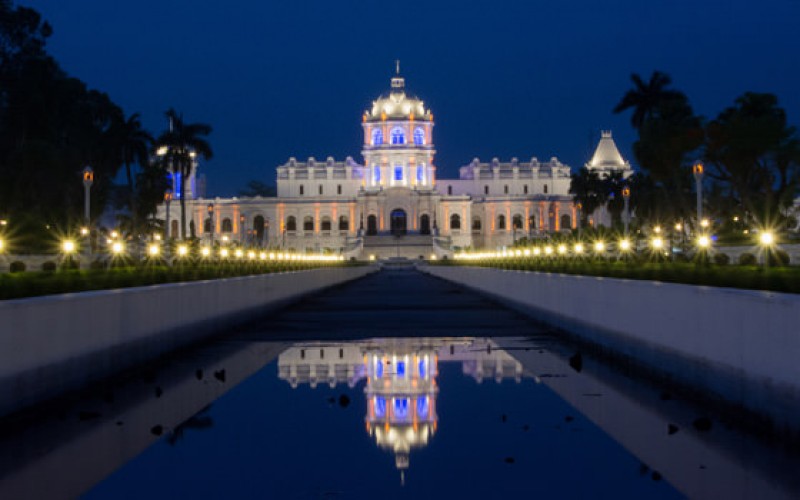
{"x": 750, "y": 154}
{"x": 52, "y": 125}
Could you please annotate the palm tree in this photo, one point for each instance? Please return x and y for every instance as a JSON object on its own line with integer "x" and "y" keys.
{"x": 180, "y": 145}
{"x": 130, "y": 143}
{"x": 646, "y": 98}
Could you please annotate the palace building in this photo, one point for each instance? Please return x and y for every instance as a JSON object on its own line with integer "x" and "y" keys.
{"x": 393, "y": 204}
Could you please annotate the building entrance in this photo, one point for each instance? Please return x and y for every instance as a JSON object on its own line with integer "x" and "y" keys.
{"x": 399, "y": 222}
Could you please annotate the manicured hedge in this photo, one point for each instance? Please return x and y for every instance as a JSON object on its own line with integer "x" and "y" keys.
{"x": 779, "y": 279}
{"x": 31, "y": 284}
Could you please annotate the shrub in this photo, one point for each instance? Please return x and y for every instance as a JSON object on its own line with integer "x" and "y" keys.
{"x": 778, "y": 257}
{"x": 70, "y": 263}
{"x": 747, "y": 259}
{"x": 721, "y": 259}
{"x": 49, "y": 266}
{"x": 17, "y": 267}
{"x": 97, "y": 265}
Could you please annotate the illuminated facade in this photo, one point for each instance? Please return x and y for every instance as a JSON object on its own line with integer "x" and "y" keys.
{"x": 393, "y": 204}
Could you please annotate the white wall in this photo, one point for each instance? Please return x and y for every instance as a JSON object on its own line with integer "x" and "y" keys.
{"x": 735, "y": 343}
{"x": 56, "y": 343}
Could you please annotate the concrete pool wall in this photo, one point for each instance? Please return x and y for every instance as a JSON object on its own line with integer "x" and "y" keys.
{"x": 740, "y": 345}
{"x": 52, "y": 344}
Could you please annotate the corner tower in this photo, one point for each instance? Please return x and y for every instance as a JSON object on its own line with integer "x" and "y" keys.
{"x": 398, "y": 141}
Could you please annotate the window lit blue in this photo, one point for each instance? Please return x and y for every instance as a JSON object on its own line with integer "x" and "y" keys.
{"x": 377, "y": 174}
{"x": 422, "y": 407}
{"x": 398, "y": 173}
{"x": 378, "y": 368}
{"x": 401, "y": 408}
{"x": 419, "y": 137}
{"x": 380, "y": 406}
{"x": 422, "y": 368}
{"x": 401, "y": 368}
{"x": 377, "y": 137}
{"x": 398, "y": 136}
{"x": 419, "y": 174}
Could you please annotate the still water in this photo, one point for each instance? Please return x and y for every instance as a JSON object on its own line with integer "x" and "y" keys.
{"x": 264, "y": 414}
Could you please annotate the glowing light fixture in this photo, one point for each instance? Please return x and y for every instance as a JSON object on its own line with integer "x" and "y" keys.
{"x": 239, "y": 253}
{"x": 704, "y": 241}
{"x": 117, "y": 247}
{"x": 562, "y": 249}
{"x": 578, "y": 248}
{"x": 224, "y": 253}
{"x": 68, "y": 246}
{"x": 153, "y": 250}
{"x": 599, "y": 246}
{"x": 205, "y": 251}
{"x": 84, "y": 231}
{"x": 657, "y": 243}
{"x": 548, "y": 250}
{"x": 624, "y": 245}
{"x": 183, "y": 250}
{"x": 766, "y": 238}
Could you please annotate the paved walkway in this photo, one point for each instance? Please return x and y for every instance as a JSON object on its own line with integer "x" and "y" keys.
{"x": 395, "y": 302}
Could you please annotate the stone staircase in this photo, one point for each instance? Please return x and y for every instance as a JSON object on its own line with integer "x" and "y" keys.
{"x": 388, "y": 246}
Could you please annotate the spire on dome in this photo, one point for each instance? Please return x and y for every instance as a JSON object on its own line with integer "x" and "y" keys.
{"x": 398, "y": 82}
{"x": 606, "y": 156}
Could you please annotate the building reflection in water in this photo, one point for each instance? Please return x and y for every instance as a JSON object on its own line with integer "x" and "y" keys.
{"x": 400, "y": 379}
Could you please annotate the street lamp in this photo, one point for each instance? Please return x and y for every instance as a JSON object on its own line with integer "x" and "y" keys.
{"x": 766, "y": 239}
{"x": 68, "y": 247}
{"x": 626, "y": 196}
{"x": 88, "y": 180}
{"x": 698, "y": 170}
{"x": 210, "y": 209}
{"x": 167, "y": 199}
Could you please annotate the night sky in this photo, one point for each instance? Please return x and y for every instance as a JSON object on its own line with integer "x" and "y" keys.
{"x": 504, "y": 79}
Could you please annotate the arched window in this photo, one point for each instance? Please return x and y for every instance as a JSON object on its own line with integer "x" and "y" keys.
{"x": 476, "y": 223}
{"x": 485, "y": 189}
{"x": 398, "y": 136}
{"x": 531, "y": 222}
{"x": 338, "y": 189}
{"x": 398, "y": 172}
{"x": 260, "y": 227}
{"x": 449, "y": 189}
{"x": 308, "y": 223}
{"x": 372, "y": 225}
{"x": 376, "y": 174}
{"x": 302, "y": 190}
{"x": 455, "y": 221}
{"x": 566, "y": 222}
{"x": 545, "y": 189}
{"x": 227, "y": 225}
{"x": 320, "y": 189}
{"x": 291, "y": 223}
{"x": 516, "y": 222}
{"x": 424, "y": 224}
{"x": 505, "y": 189}
{"x": 420, "y": 173}
{"x": 525, "y": 189}
{"x": 207, "y": 225}
{"x": 377, "y": 137}
{"x": 326, "y": 223}
{"x": 344, "y": 224}
{"x": 501, "y": 222}
{"x": 419, "y": 136}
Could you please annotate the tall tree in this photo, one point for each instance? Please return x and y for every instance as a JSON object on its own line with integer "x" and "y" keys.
{"x": 645, "y": 98}
{"x": 589, "y": 191}
{"x": 180, "y": 145}
{"x": 755, "y": 155}
{"x": 130, "y": 143}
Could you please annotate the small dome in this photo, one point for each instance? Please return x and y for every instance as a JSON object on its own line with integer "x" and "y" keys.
{"x": 606, "y": 156}
{"x": 398, "y": 105}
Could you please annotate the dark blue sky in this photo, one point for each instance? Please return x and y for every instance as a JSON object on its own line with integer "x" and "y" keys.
{"x": 527, "y": 78}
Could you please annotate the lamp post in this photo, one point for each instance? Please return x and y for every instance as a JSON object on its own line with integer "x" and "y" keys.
{"x": 241, "y": 229}
{"x": 167, "y": 199}
{"x": 210, "y": 209}
{"x": 697, "y": 170}
{"x": 578, "y": 208}
{"x": 626, "y": 196}
{"x": 88, "y": 180}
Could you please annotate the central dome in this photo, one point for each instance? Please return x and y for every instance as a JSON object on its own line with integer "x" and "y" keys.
{"x": 398, "y": 105}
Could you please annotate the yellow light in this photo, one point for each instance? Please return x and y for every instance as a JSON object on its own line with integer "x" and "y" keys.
{"x": 223, "y": 253}
{"x": 114, "y": 234}
{"x": 2, "y": 245}
{"x": 153, "y": 250}
{"x": 657, "y": 243}
{"x": 262, "y": 256}
{"x": 372, "y": 257}
{"x": 766, "y": 238}
{"x": 157, "y": 237}
{"x": 84, "y": 231}
{"x": 205, "y": 251}
{"x": 271, "y": 256}
{"x": 225, "y": 239}
{"x": 599, "y": 246}
{"x": 624, "y": 245}
{"x": 657, "y": 229}
{"x": 704, "y": 223}
{"x": 678, "y": 226}
{"x": 578, "y": 248}
{"x": 251, "y": 255}
{"x": 548, "y": 250}
{"x": 117, "y": 247}
{"x": 161, "y": 151}
{"x": 183, "y": 250}
{"x": 238, "y": 253}
{"x": 68, "y": 246}
{"x": 703, "y": 241}
{"x": 736, "y": 218}
{"x": 527, "y": 252}
{"x": 433, "y": 256}
{"x": 537, "y": 251}
{"x": 562, "y": 249}
{"x": 109, "y": 240}
{"x": 518, "y": 253}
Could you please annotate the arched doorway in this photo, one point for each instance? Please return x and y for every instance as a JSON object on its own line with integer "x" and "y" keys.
{"x": 372, "y": 225}
{"x": 258, "y": 228}
{"x": 398, "y": 221}
{"x": 424, "y": 224}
